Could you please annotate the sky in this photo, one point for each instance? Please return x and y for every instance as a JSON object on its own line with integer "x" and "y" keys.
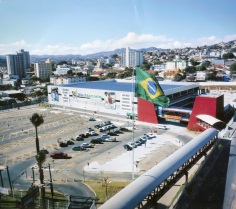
{"x": 60, "y": 27}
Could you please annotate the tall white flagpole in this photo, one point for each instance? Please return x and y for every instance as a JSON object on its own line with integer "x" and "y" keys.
{"x": 133, "y": 92}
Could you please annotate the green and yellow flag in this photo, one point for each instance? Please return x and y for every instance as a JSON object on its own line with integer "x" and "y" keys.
{"x": 148, "y": 88}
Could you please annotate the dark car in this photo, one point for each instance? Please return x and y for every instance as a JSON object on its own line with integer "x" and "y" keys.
{"x": 112, "y": 134}
{"x": 59, "y": 155}
{"x": 78, "y": 148}
{"x": 97, "y": 126}
{"x": 127, "y": 147}
{"x": 92, "y": 119}
{"x": 96, "y": 141}
{"x": 79, "y": 138}
{"x": 82, "y": 135}
{"x": 44, "y": 151}
{"x": 63, "y": 144}
{"x": 69, "y": 142}
{"x": 118, "y": 132}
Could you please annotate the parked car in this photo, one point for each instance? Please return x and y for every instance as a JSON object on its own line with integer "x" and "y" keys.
{"x": 69, "y": 142}
{"x": 104, "y": 128}
{"x": 59, "y": 155}
{"x": 90, "y": 129}
{"x": 87, "y": 134}
{"x": 150, "y": 135}
{"x": 87, "y": 145}
{"x": 138, "y": 143}
{"x": 112, "y": 134}
{"x": 110, "y": 139}
{"x": 63, "y": 144}
{"x": 92, "y": 119}
{"x": 105, "y": 136}
{"x": 78, "y": 148}
{"x": 93, "y": 133}
{"x": 82, "y": 135}
{"x": 118, "y": 132}
{"x": 98, "y": 126}
{"x": 132, "y": 144}
{"x": 97, "y": 140}
{"x": 79, "y": 138}
{"x": 127, "y": 147}
{"x": 44, "y": 151}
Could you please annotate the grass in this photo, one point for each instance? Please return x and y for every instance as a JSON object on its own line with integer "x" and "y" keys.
{"x": 99, "y": 187}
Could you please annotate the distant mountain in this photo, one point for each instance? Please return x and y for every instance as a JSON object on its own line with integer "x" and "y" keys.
{"x": 104, "y": 54}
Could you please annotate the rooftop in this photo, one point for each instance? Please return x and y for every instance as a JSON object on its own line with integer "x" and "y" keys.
{"x": 126, "y": 85}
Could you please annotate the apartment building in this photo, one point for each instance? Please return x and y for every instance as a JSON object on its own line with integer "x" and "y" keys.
{"x": 176, "y": 64}
{"x": 43, "y": 69}
{"x": 131, "y": 58}
{"x": 18, "y": 64}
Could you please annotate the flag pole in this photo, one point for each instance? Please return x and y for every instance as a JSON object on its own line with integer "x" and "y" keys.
{"x": 133, "y": 123}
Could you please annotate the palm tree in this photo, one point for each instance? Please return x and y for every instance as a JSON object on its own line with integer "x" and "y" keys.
{"x": 37, "y": 120}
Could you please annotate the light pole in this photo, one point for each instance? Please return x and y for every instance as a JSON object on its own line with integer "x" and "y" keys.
{"x": 106, "y": 181}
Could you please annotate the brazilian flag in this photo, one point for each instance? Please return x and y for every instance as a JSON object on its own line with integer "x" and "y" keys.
{"x": 148, "y": 88}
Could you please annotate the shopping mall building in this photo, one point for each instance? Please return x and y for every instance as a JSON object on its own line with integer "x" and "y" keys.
{"x": 187, "y": 103}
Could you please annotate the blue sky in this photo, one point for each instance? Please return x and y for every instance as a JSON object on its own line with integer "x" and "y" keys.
{"x": 89, "y": 26}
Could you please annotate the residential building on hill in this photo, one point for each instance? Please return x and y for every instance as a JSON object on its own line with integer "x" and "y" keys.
{"x": 18, "y": 64}
{"x": 176, "y": 64}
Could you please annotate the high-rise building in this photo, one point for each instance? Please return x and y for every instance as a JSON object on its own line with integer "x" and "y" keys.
{"x": 17, "y": 64}
{"x": 43, "y": 69}
{"x": 131, "y": 58}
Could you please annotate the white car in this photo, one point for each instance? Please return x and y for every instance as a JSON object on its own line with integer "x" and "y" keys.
{"x": 105, "y": 136}
{"x": 110, "y": 139}
{"x": 87, "y": 145}
{"x": 92, "y": 133}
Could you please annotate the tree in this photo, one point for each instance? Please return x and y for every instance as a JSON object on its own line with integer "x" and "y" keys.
{"x": 229, "y": 55}
{"x": 38, "y": 120}
{"x": 190, "y": 69}
{"x": 193, "y": 62}
{"x": 69, "y": 72}
{"x": 233, "y": 68}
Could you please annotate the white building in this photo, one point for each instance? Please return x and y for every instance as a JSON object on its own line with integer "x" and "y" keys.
{"x": 131, "y": 58}
{"x": 18, "y": 64}
{"x": 43, "y": 69}
{"x": 176, "y": 64}
{"x": 56, "y": 80}
{"x": 62, "y": 69}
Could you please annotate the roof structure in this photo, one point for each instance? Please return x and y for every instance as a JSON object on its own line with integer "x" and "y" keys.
{"x": 214, "y": 122}
{"x": 126, "y": 85}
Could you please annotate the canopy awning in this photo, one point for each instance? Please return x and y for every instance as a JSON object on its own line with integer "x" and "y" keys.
{"x": 214, "y": 122}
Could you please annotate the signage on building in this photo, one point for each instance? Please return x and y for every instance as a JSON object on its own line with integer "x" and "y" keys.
{"x": 173, "y": 117}
{"x": 126, "y": 102}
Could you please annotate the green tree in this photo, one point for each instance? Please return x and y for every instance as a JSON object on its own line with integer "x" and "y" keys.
{"x": 193, "y": 62}
{"x": 91, "y": 78}
{"x": 229, "y": 55}
{"x": 206, "y": 64}
{"x": 69, "y": 72}
{"x": 38, "y": 120}
{"x": 190, "y": 69}
{"x": 233, "y": 68}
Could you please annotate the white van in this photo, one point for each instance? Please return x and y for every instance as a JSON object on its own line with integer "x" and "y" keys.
{"x": 160, "y": 126}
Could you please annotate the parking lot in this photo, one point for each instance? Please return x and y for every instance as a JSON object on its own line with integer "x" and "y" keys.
{"x": 17, "y": 143}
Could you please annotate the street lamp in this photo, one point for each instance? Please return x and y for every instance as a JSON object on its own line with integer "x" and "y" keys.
{"x": 106, "y": 181}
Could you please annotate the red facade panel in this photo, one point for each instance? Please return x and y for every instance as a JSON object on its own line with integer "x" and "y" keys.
{"x": 213, "y": 106}
{"x": 146, "y": 111}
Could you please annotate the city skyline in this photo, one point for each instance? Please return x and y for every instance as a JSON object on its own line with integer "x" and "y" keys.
{"x": 60, "y": 27}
